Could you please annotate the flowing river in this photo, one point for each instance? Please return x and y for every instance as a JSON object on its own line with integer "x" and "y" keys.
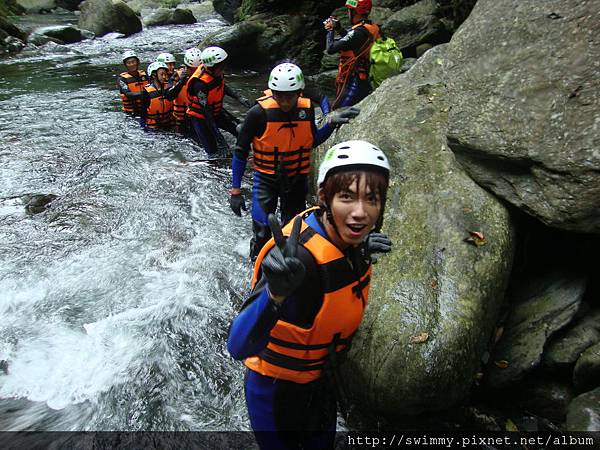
{"x": 116, "y": 300}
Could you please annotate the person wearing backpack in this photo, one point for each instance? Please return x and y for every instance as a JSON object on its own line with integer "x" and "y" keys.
{"x": 352, "y": 81}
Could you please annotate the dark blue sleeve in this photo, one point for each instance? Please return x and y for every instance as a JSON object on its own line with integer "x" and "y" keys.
{"x": 249, "y": 331}
{"x": 323, "y": 133}
{"x": 238, "y": 166}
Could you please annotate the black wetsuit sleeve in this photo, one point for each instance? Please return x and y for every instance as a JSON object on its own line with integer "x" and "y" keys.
{"x": 355, "y": 40}
{"x": 173, "y": 91}
{"x": 199, "y": 89}
{"x": 124, "y": 89}
{"x": 254, "y": 125}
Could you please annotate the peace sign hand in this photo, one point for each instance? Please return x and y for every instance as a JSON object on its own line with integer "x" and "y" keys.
{"x": 283, "y": 271}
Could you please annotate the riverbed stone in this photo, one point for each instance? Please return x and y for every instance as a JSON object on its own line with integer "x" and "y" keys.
{"x": 547, "y": 398}
{"x": 69, "y": 5}
{"x": 105, "y": 16}
{"x": 584, "y": 412}
{"x": 63, "y": 34}
{"x": 586, "y": 375}
{"x": 541, "y": 307}
{"x": 227, "y": 8}
{"x": 435, "y": 298}
{"x": 239, "y": 41}
{"x": 568, "y": 347}
{"x": 525, "y": 119}
{"x": 166, "y": 16}
{"x": 9, "y": 29}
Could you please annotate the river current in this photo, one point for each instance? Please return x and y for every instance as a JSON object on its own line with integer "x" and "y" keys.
{"x": 116, "y": 300}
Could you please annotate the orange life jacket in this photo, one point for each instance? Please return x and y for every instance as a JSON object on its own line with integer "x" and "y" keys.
{"x": 351, "y": 62}
{"x": 284, "y": 144}
{"x": 298, "y": 354}
{"x": 216, "y": 91}
{"x": 180, "y": 103}
{"x": 160, "y": 111}
{"x": 134, "y": 84}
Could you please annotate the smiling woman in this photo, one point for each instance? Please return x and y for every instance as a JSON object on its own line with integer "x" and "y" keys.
{"x": 309, "y": 295}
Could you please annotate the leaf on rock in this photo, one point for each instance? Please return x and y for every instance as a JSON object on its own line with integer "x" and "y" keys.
{"x": 502, "y": 364}
{"x": 419, "y": 338}
{"x": 476, "y": 238}
{"x": 510, "y": 426}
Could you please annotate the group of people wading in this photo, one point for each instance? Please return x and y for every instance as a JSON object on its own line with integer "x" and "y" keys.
{"x": 311, "y": 280}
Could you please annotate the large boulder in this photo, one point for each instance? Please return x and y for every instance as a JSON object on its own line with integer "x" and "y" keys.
{"x": 227, "y": 8}
{"x": 526, "y": 106}
{"x": 37, "y": 6}
{"x": 541, "y": 307}
{"x": 584, "y": 412}
{"x": 586, "y": 374}
{"x": 566, "y": 349}
{"x": 63, "y": 34}
{"x": 166, "y": 16}
{"x": 70, "y": 5}
{"x": 435, "y": 298}
{"x": 105, "y": 16}
{"x": 239, "y": 41}
{"x": 416, "y": 25}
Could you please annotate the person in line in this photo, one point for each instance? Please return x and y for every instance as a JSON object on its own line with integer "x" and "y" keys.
{"x": 352, "y": 81}
{"x": 170, "y": 61}
{"x": 281, "y": 131}
{"x": 131, "y": 84}
{"x": 206, "y": 90}
{"x": 158, "y": 114}
{"x": 309, "y": 293}
{"x": 178, "y": 91}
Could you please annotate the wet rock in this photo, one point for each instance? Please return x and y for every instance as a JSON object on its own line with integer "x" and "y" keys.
{"x": 37, "y": 203}
{"x": 239, "y": 41}
{"x": 4, "y": 366}
{"x": 165, "y": 16}
{"x": 541, "y": 308}
{"x": 584, "y": 412}
{"x": 586, "y": 374}
{"x": 12, "y": 44}
{"x": 227, "y": 8}
{"x": 69, "y": 5}
{"x": 325, "y": 80}
{"x": 9, "y": 29}
{"x": 199, "y": 10}
{"x": 416, "y": 25}
{"x": 105, "y": 16}
{"x": 525, "y": 118}
{"x": 37, "y": 6}
{"x": 568, "y": 347}
{"x": 434, "y": 299}
{"x": 547, "y": 398}
{"x": 41, "y": 39}
{"x": 62, "y": 34}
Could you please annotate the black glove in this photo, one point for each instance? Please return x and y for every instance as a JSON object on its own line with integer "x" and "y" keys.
{"x": 378, "y": 243}
{"x": 282, "y": 270}
{"x": 237, "y": 203}
{"x": 342, "y": 117}
{"x": 245, "y": 102}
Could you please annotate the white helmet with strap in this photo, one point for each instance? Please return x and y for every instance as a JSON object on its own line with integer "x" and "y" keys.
{"x": 129, "y": 54}
{"x": 165, "y": 58}
{"x": 192, "y": 57}
{"x": 155, "y": 66}
{"x": 211, "y": 56}
{"x": 353, "y": 155}
{"x": 286, "y": 77}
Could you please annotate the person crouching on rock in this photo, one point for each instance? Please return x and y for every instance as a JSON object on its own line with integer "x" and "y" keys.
{"x": 310, "y": 287}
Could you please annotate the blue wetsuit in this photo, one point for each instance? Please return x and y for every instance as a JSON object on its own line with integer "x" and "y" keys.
{"x": 284, "y": 414}
{"x": 268, "y": 189}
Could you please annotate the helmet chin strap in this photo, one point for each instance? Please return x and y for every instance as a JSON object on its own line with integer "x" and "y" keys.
{"x": 329, "y": 215}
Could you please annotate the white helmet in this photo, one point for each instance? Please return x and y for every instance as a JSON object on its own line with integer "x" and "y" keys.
{"x": 192, "y": 57}
{"x": 286, "y": 77}
{"x": 357, "y": 154}
{"x": 155, "y": 66}
{"x": 165, "y": 58}
{"x": 129, "y": 54}
{"x": 213, "y": 55}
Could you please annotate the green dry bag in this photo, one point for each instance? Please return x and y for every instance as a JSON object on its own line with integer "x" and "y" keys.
{"x": 386, "y": 61}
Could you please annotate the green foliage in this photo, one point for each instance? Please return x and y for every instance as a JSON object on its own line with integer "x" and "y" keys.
{"x": 247, "y": 9}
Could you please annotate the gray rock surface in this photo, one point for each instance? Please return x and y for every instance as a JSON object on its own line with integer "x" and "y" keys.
{"x": 62, "y": 34}
{"x": 584, "y": 412}
{"x": 541, "y": 308}
{"x": 166, "y": 16}
{"x": 525, "y": 118}
{"x": 547, "y": 398}
{"x": 36, "y": 6}
{"x": 586, "y": 374}
{"x": 434, "y": 298}
{"x": 567, "y": 348}
{"x": 105, "y": 16}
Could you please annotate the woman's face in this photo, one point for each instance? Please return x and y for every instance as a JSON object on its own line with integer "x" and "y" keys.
{"x": 162, "y": 75}
{"x": 355, "y": 211}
